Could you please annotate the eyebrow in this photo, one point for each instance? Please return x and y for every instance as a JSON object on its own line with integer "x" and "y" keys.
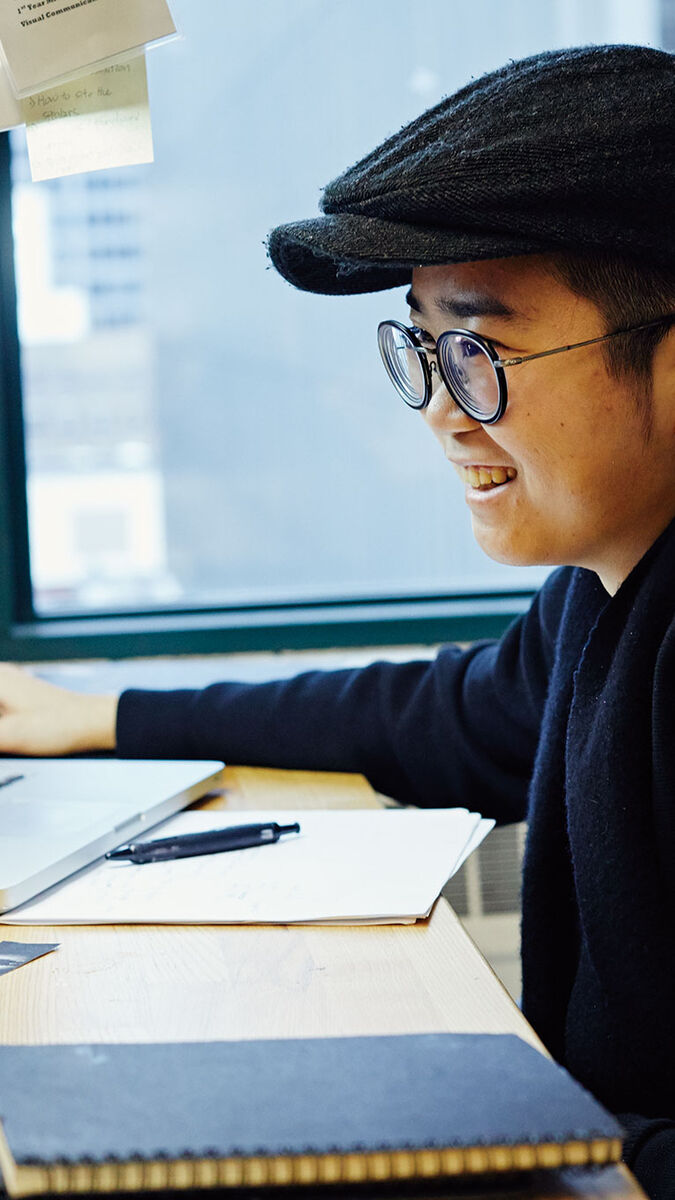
{"x": 470, "y": 304}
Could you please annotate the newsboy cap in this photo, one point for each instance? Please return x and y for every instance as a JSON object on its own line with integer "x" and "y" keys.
{"x": 568, "y": 150}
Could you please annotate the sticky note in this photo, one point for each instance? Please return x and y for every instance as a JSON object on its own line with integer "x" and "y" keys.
{"x": 95, "y": 121}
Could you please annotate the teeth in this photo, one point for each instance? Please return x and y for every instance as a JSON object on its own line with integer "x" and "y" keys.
{"x": 498, "y": 475}
{"x": 484, "y": 477}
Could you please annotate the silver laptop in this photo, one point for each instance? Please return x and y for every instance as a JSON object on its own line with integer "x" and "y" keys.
{"x": 58, "y": 814}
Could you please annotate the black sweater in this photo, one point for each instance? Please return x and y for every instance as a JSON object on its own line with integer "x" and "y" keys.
{"x": 568, "y": 721}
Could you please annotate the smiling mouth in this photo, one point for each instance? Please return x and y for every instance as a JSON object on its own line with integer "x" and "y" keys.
{"x": 484, "y": 479}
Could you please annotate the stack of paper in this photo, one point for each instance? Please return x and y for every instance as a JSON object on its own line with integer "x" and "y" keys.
{"x": 348, "y": 867}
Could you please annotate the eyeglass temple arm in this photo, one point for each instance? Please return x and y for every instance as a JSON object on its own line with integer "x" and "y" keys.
{"x": 513, "y": 362}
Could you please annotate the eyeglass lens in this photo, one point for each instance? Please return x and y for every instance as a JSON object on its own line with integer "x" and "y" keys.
{"x": 471, "y": 377}
{"x": 403, "y": 362}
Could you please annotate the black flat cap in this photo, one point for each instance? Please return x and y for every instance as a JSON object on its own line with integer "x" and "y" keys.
{"x": 569, "y": 150}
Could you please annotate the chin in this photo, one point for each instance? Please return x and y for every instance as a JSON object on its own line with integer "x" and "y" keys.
{"x": 509, "y": 552}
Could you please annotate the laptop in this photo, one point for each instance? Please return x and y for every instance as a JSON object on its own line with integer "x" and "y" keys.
{"x": 60, "y": 814}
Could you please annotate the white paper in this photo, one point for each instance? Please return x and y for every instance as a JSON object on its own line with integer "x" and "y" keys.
{"x": 351, "y": 867}
{"x": 96, "y": 121}
{"x": 11, "y": 114}
{"x": 482, "y": 829}
{"x": 50, "y": 41}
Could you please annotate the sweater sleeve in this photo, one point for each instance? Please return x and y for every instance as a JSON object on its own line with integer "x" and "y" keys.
{"x": 462, "y": 729}
{"x": 649, "y": 1151}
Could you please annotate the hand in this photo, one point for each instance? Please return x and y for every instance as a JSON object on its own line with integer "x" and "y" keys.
{"x": 38, "y": 718}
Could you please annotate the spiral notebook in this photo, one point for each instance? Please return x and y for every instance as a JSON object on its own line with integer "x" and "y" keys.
{"x": 289, "y": 1112}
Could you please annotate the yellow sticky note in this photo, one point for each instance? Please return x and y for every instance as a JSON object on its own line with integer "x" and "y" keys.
{"x": 96, "y": 121}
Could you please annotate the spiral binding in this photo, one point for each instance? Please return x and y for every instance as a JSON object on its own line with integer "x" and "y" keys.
{"x": 284, "y": 1170}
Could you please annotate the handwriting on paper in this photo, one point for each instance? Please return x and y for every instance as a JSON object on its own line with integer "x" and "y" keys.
{"x": 96, "y": 121}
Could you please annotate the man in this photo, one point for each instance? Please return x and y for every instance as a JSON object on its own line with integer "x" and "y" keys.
{"x": 530, "y": 216}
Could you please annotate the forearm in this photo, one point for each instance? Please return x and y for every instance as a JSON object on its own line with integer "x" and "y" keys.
{"x": 417, "y": 731}
{"x": 462, "y": 729}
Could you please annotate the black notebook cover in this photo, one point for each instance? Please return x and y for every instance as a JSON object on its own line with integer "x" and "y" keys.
{"x": 385, "y": 1098}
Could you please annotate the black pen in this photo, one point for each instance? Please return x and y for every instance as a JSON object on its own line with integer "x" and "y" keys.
{"x": 187, "y": 845}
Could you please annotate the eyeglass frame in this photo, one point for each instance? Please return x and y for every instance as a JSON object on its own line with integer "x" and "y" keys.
{"x": 498, "y": 363}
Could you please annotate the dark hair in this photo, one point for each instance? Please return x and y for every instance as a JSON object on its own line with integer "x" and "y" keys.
{"x": 626, "y": 292}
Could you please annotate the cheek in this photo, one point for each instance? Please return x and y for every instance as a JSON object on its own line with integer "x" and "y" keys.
{"x": 555, "y": 435}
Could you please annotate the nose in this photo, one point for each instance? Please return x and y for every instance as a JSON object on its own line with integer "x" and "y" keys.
{"x": 443, "y": 412}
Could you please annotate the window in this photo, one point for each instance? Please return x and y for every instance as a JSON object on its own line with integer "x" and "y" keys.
{"x": 191, "y": 437}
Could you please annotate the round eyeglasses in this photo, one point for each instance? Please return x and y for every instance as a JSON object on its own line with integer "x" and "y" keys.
{"x": 467, "y": 363}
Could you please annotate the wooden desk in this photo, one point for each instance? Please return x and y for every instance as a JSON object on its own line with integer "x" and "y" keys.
{"x": 186, "y": 983}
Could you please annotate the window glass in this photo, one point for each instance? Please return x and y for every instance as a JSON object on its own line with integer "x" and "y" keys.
{"x": 198, "y": 432}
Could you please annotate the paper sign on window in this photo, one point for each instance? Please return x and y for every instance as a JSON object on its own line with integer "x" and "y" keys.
{"x": 45, "y": 42}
